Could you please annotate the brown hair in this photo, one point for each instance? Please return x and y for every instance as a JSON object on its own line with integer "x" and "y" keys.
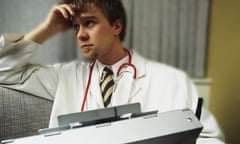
{"x": 112, "y": 9}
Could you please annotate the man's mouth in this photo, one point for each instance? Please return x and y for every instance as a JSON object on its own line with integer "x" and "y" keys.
{"x": 86, "y": 47}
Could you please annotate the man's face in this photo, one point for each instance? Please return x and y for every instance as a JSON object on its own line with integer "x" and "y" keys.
{"x": 95, "y": 35}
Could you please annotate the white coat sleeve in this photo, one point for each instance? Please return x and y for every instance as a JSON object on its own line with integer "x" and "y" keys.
{"x": 211, "y": 133}
{"x": 17, "y": 73}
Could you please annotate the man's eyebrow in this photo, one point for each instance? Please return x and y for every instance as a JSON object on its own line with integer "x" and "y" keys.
{"x": 88, "y": 17}
{"x": 83, "y": 18}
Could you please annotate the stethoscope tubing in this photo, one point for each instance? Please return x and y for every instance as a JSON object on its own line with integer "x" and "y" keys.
{"x": 88, "y": 85}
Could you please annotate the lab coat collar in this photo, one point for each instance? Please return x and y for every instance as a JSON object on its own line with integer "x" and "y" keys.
{"x": 95, "y": 92}
{"x": 140, "y": 64}
{"x": 125, "y": 92}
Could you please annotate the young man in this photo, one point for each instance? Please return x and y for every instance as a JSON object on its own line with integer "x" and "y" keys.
{"x": 77, "y": 86}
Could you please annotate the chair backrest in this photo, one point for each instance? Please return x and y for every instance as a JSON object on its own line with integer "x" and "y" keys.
{"x": 22, "y": 114}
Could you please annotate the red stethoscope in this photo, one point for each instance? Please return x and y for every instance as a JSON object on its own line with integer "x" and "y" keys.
{"x": 129, "y": 63}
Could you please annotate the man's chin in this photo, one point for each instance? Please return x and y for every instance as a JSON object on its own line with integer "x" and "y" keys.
{"x": 89, "y": 58}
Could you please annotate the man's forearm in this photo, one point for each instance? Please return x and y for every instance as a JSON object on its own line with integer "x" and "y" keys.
{"x": 57, "y": 21}
{"x": 39, "y": 34}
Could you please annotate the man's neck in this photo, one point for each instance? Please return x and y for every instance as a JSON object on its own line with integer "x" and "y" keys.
{"x": 113, "y": 56}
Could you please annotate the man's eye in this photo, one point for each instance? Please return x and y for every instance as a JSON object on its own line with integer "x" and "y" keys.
{"x": 89, "y": 23}
{"x": 76, "y": 27}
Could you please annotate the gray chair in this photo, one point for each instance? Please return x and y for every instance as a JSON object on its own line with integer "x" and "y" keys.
{"x": 22, "y": 114}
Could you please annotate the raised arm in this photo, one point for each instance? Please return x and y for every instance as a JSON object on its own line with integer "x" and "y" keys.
{"x": 58, "y": 20}
{"x": 16, "y": 50}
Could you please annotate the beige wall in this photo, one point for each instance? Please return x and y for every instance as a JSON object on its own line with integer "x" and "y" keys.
{"x": 224, "y": 66}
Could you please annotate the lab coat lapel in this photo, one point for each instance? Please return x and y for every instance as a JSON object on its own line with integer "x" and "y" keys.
{"x": 95, "y": 92}
{"x": 122, "y": 92}
{"x": 127, "y": 87}
{"x": 140, "y": 64}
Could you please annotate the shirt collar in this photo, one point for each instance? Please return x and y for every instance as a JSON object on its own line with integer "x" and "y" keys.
{"x": 114, "y": 67}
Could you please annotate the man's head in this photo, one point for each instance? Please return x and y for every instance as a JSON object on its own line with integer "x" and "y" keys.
{"x": 112, "y": 9}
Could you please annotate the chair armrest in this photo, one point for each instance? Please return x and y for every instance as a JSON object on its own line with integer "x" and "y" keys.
{"x": 22, "y": 114}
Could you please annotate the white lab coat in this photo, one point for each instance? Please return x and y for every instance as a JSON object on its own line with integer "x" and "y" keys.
{"x": 156, "y": 87}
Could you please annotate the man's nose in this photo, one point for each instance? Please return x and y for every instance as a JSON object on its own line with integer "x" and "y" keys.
{"x": 82, "y": 35}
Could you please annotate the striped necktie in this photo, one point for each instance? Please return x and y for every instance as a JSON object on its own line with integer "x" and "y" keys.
{"x": 106, "y": 85}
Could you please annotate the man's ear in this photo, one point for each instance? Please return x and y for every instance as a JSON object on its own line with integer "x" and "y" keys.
{"x": 117, "y": 27}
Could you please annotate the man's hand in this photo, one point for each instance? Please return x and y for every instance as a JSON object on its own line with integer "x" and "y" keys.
{"x": 58, "y": 20}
